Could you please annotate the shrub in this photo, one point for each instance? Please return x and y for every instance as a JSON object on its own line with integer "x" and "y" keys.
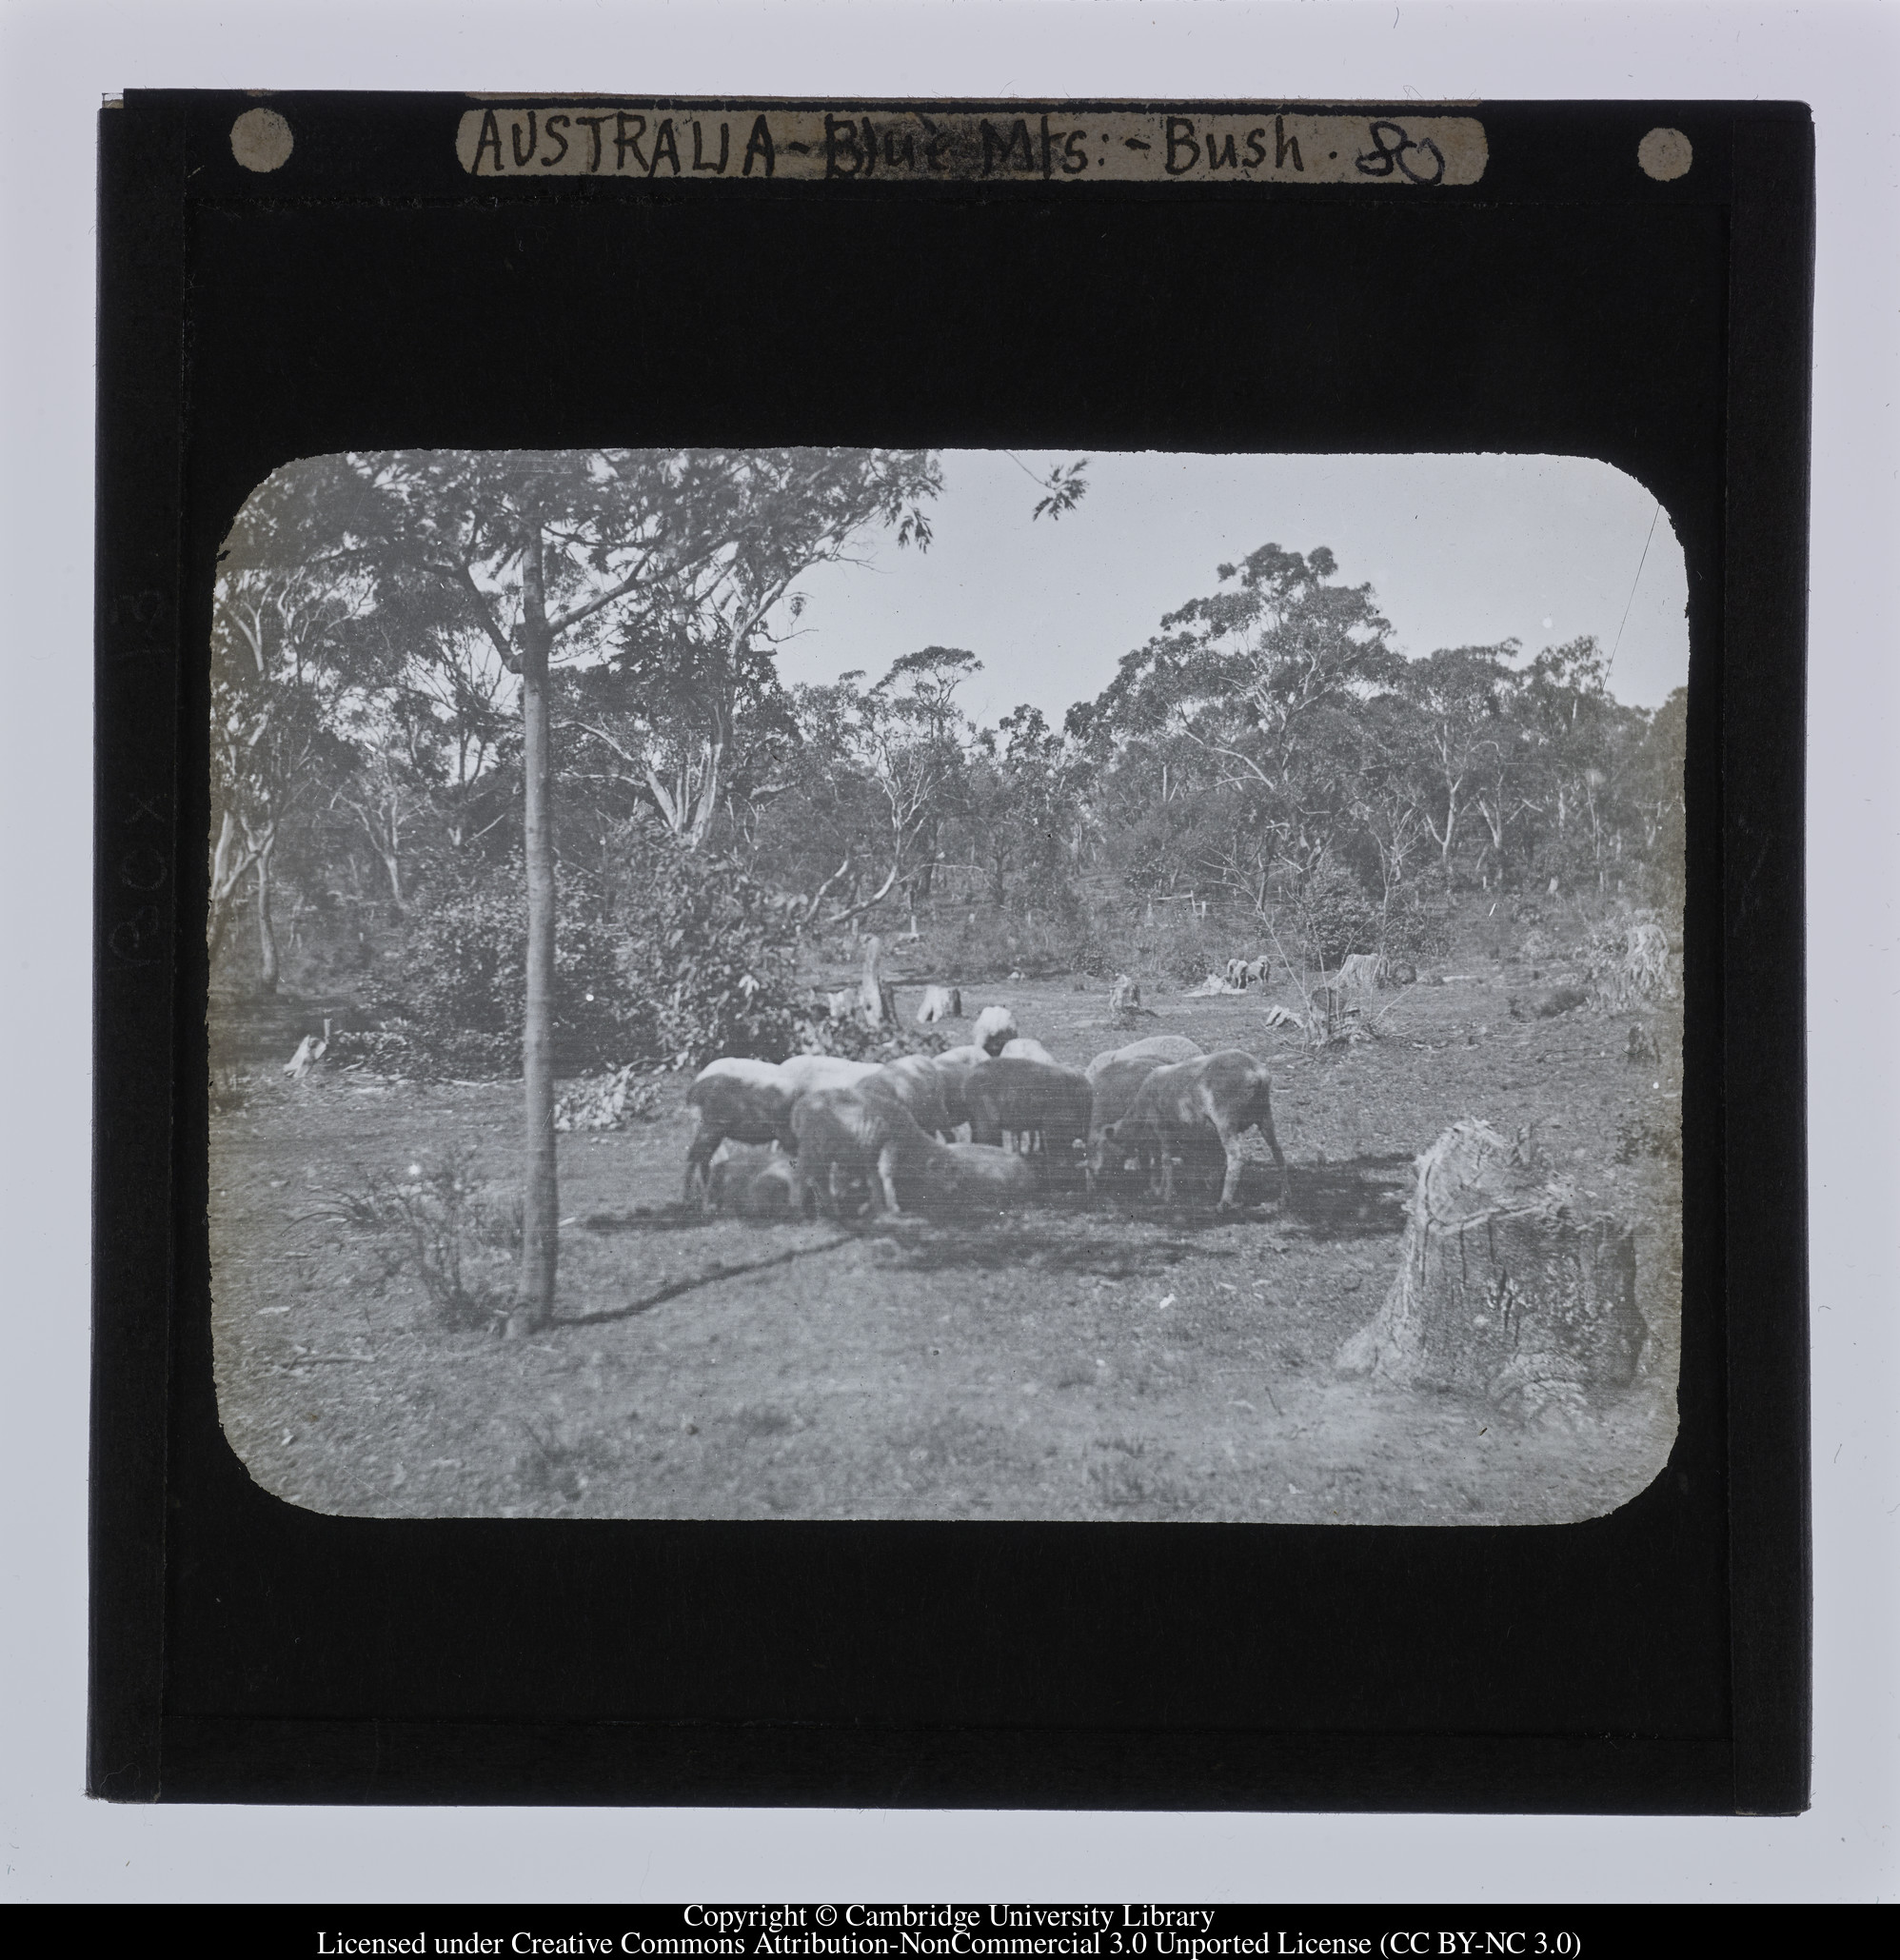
{"x": 435, "y": 1221}
{"x": 713, "y": 953}
{"x": 1337, "y": 916}
{"x": 455, "y": 1000}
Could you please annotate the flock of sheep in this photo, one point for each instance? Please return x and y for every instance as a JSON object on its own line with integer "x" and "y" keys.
{"x": 772, "y": 1139}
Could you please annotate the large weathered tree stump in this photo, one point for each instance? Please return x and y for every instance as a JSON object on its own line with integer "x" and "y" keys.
{"x": 1503, "y": 1291}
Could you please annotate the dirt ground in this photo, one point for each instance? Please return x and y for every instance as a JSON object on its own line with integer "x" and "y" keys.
{"x": 1066, "y": 1363}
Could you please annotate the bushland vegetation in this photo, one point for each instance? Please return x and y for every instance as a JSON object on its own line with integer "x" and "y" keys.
{"x": 504, "y": 768}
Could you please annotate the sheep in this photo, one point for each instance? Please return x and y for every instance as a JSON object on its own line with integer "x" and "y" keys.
{"x": 1031, "y": 1100}
{"x": 1227, "y": 1092}
{"x": 1160, "y": 1047}
{"x": 842, "y": 1003}
{"x": 845, "y": 1135}
{"x": 995, "y": 1026}
{"x": 737, "y": 1096}
{"x": 953, "y": 1068}
{"x": 939, "y": 1003}
{"x": 919, "y": 1084}
{"x": 805, "y": 1073}
{"x": 753, "y": 1181}
{"x": 968, "y": 1177}
{"x": 1114, "y": 1089}
{"x": 1025, "y": 1049}
{"x": 852, "y": 1136}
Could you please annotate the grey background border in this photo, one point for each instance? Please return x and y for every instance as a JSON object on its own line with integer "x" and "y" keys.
{"x": 58, "y": 62}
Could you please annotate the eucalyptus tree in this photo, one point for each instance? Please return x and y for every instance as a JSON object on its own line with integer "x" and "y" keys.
{"x": 1460, "y": 693}
{"x": 1242, "y": 711}
{"x": 1578, "y": 735}
{"x": 283, "y": 671}
{"x": 568, "y": 557}
{"x": 1022, "y": 806}
{"x": 689, "y": 703}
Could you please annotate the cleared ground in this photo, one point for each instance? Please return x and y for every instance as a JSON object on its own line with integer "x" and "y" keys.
{"x": 1125, "y": 1362}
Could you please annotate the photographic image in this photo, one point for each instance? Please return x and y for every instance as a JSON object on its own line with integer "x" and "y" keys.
{"x": 948, "y": 984}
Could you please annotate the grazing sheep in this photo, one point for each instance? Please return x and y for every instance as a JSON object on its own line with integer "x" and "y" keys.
{"x": 736, "y": 1096}
{"x": 1025, "y": 1049}
{"x": 753, "y": 1181}
{"x": 1033, "y": 1102}
{"x": 805, "y": 1073}
{"x": 1159, "y": 1048}
{"x": 1227, "y": 1092}
{"x": 865, "y": 1139}
{"x": 953, "y": 1068}
{"x": 1114, "y": 1088}
{"x": 939, "y": 1003}
{"x": 1235, "y": 973}
{"x": 919, "y": 1083}
{"x": 995, "y": 1026}
{"x": 847, "y": 1138}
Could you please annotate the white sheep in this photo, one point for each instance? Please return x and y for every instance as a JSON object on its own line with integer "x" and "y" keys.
{"x": 1034, "y": 1102}
{"x": 1025, "y": 1048}
{"x": 865, "y": 1137}
{"x": 1160, "y": 1047}
{"x": 738, "y": 1097}
{"x": 805, "y": 1073}
{"x": 1188, "y": 1106}
{"x": 953, "y": 1067}
{"x": 849, "y": 1137}
{"x": 995, "y": 1026}
{"x": 919, "y": 1084}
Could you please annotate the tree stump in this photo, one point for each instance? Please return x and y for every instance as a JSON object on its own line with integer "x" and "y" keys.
{"x": 875, "y": 994}
{"x": 1503, "y": 1292}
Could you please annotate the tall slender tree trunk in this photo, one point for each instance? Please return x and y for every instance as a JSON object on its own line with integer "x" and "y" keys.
{"x": 541, "y": 1208}
{"x": 267, "y": 938}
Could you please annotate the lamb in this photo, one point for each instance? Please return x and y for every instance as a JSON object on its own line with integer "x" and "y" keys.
{"x": 939, "y": 1003}
{"x": 1032, "y": 1100}
{"x": 753, "y": 1181}
{"x": 1025, "y": 1049}
{"x": 1227, "y": 1092}
{"x": 738, "y": 1097}
{"x": 1161, "y": 1048}
{"x": 995, "y": 1026}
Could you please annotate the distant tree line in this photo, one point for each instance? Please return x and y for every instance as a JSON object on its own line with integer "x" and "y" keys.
{"x": 1265, "y": 748}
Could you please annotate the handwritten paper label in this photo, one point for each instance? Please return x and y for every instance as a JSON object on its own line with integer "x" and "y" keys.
{"x": 760, "y": 143}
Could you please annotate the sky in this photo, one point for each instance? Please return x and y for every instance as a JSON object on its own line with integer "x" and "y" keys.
{"x": 1460, "y": 550}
